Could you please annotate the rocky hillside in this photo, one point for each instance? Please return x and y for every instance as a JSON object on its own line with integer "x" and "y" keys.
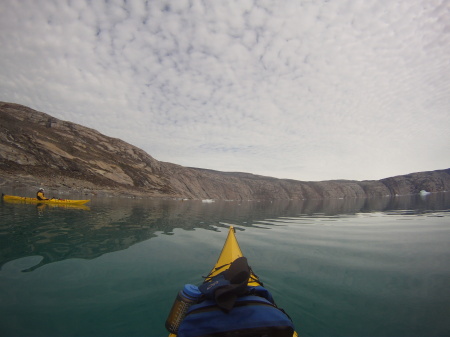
{"x": 37, "y": 149}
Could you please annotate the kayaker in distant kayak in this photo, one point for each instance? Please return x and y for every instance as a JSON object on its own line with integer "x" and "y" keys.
{"x": 40, "y": 195}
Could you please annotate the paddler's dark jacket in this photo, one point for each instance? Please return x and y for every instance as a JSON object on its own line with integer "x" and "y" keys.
{"x": 40, "y": 196}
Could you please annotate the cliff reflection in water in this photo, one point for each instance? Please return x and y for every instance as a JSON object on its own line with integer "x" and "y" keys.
{"x": 110, "y": 225}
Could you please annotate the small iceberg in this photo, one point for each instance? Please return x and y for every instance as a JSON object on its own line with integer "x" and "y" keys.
{"x": 424, "y": 193}
{"x": 207, "y": 200}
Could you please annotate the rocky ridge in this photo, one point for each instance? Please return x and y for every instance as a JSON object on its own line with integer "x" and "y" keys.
{"x": 37, "y": 149}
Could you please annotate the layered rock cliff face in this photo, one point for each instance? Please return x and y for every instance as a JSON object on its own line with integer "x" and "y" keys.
{"x": 37, "y": 149}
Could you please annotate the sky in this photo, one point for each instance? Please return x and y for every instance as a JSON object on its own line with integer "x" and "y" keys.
{"x": 307, "y": 89}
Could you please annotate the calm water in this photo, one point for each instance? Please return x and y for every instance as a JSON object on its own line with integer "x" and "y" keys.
{"x": 377, "y": 267}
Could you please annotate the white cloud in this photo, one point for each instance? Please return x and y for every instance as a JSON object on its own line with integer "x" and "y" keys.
{"x": 298, "y": 89}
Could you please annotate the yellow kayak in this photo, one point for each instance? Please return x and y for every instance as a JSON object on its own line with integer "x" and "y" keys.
{"x": 230, "y": 252}
{"x": 14, "y": 198}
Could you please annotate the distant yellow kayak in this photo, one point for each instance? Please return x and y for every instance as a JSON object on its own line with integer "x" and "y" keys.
{"x": 14, "y": 198}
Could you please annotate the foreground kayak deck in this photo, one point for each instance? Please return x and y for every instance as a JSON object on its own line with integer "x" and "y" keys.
{"x": 230, "y": 252}
{"x": 49, "y": 201}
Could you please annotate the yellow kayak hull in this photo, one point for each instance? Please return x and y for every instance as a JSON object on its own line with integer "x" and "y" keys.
{"x": 230, "y": 252}
{"x": 14, "y": 198}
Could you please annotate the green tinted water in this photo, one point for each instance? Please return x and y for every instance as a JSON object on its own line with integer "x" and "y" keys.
{"x": 375, "y": 267}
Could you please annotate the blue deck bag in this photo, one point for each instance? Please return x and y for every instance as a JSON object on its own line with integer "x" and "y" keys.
{"x": 226, "y": 287}
{"x": 252, "y": 315}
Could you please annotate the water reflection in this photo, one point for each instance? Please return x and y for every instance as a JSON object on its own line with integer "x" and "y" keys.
{"x": 56, "y": 233}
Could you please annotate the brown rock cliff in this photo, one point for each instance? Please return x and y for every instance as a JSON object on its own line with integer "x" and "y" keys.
{"x": 36, "y": 149}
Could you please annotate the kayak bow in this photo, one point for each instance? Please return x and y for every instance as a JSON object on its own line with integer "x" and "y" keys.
{"x": 230, "y": 252}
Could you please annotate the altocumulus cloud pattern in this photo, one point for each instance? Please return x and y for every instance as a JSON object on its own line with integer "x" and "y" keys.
{"x": 308, "y": 90}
